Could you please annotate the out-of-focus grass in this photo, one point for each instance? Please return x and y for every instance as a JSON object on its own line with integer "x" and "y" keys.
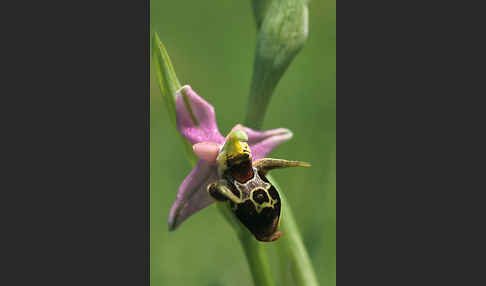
{"x": 211, "y": 45}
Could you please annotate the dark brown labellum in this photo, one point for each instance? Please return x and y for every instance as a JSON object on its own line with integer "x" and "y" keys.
{"x": 260, "y": 211}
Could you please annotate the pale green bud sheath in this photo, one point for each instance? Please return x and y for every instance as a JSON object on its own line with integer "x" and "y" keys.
{"x": 282, "y": 32}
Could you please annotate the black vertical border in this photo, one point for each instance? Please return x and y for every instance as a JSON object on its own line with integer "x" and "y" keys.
{"x": 75, "y": 131}
{"x": 147, "y": 138}
{"x": 410, "y": 122}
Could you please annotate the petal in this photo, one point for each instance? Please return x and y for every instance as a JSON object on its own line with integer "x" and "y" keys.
{"x": 192, "y": 195}
{"x": 207, "y": 151}
{"x": 263, "y": 142}
{"x": 205, "y": 129}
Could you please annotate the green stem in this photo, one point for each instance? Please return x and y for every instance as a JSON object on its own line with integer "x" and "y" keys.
{"x": 262, "y": 86}
{"x": 257, "y": 260}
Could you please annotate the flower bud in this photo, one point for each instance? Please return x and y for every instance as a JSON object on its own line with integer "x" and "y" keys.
{"x": 283, "y": 30}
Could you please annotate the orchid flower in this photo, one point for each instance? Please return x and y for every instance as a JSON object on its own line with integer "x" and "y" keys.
{"x": 196, "y": 121}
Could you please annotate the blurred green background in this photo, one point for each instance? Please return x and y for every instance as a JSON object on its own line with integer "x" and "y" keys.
{"x": 211, "y": 44}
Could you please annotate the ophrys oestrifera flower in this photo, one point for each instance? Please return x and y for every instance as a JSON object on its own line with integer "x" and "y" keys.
{"x": 230, "y": 170}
